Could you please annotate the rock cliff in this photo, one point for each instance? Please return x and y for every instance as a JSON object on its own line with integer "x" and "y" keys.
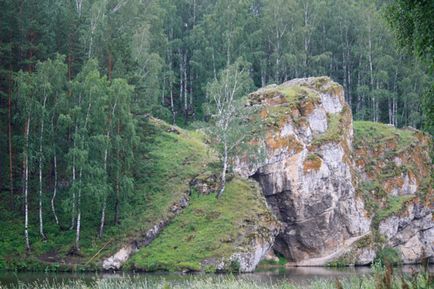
{"x": 318, "y": 185}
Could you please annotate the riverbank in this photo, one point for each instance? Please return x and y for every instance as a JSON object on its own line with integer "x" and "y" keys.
{"x": 294, "y": 278}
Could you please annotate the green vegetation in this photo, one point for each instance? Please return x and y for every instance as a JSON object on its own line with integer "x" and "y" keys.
{"x": 165, "y": 163}
{"x": 207, "y": 228}
{"x": 377, "y": 134}
{"x": 412, "y": 21}
{"x": 86, "y": 167}
{"x": 293, "y": 95}
{"x": 388, "y": 256}
{"x": 394, "y": 205}
{"x": 265, "y": 265}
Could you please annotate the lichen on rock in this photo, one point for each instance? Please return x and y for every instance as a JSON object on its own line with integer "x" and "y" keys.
{"x": 309, "y": 186}
{"x": 327, "y": 193}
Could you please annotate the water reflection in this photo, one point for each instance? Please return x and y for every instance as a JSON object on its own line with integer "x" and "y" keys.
{"x": 295, "y": 275}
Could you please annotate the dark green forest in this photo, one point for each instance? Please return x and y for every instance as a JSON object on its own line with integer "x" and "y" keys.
{"x": 79, "y": 78}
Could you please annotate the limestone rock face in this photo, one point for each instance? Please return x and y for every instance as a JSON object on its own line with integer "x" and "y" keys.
{"x": 411, "y": 233}
{"x": 306, "y": 175}
{"x": 341, "y": 199}
{"x": 257, "y": 249}
{"x": 394, "y": 169}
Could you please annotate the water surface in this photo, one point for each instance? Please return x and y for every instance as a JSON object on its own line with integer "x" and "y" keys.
{"x": 296, "y": 275}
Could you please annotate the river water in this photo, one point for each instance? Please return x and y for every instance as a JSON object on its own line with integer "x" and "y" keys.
{"x": 296, "y": 276}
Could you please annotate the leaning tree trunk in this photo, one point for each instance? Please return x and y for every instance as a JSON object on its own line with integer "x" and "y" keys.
{"x": 225, "y": 166}
{"x": 53, "y": 198}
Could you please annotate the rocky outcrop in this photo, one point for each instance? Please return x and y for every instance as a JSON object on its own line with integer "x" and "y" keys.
{"x": 247, "y": 256}
{"x": 394, "y": 170}
{"x": 306, "y": 175}
{"x": 315, "y": 182}
{"x": 411, "y": 233}
{"x": 116, "y": 261}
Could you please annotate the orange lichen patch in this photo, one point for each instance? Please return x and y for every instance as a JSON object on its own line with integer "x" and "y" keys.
{"x": 391, "y": 144}
{"x": 254, "y": 142}
{"x": 283, "y": 121}
{"x": 393, "y": 183}
{"x": 276, "y": 142}
{"x": 264, "y": 113}
{"x": 312, "y": 164}
{"x": 413, "y": 178}
{"x": 307, "y": 108}
{"x": 360, "y": 163}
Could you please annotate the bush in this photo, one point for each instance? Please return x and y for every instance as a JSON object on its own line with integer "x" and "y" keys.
{"x": 388, "y": 256}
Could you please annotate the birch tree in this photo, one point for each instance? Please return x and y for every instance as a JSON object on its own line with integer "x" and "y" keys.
{"x": 225, "y": 94}
{"x": 25, "y": 90}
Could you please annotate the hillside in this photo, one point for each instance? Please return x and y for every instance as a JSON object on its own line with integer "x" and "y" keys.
{"x": 329, "y": 192}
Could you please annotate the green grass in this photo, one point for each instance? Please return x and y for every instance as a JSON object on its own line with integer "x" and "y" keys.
{"x": 395, "y": 204}
{"x": 388, "y": 255}
{"x": 207, "y": 228}
{"x": 165, "y": 162}
{"x": 375, "y": 133}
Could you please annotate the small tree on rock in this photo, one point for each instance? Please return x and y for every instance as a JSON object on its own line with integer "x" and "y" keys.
{"x": 229, "y": 115}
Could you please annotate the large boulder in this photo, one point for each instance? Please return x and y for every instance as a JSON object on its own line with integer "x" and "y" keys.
{"x": 342, "y": 198}
{"x": 306, "y": 175}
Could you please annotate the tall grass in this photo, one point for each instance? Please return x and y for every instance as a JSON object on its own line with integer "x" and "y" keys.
{"x": 382, "y": 278}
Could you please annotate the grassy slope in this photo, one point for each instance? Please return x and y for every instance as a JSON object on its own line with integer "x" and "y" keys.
{"x": 165, "y": 164}
{"x": 208, "y": 228}
{"x": 372, "y": 133}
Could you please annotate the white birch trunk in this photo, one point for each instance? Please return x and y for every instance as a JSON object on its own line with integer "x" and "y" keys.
{"x": 102, "y": 221}
{"x": 26, "y": 185}
{"x": 77, "y": 235}
{"x": 53, "y": 198}
{"x": 41, "y": 137}
{"x": 225, "y": 166}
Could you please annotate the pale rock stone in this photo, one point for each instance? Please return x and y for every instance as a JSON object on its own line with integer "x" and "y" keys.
{"x": 117, "y": 260}
{"x": 411, "y": 233}
{"x": 287, "y": 130}
{"x": 365, "y": 256}
{"x": 270, "y": 256}
{"x": 318, "y": 121}
{"x": 331, "y": 103}
{"x": 317, "y": 205}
